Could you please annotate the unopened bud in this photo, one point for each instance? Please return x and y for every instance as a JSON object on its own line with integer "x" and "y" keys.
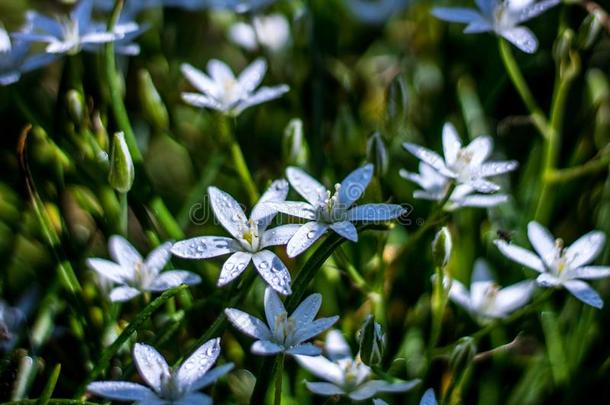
{"x": 372, "y": 342}
{"x": 397, "y": 100}
{"x": 76, "y": 106}
{"x": 122, "y": 171}
{"x": 152, "y": 106}
{"x": 462, "y": 354}
{"x": 589, "y": 29}
{"x": 377, "y": 153}
{"x": 441, "y": 247}
{"x": 294, "y": 147}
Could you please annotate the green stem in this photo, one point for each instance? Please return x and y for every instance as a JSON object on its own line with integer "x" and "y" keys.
{"x": 351, "y": 271}
{"x": 591, "y": 167}
{"x": 520, "y": 84}
{"x": 124, "y": 215}
{"x": 279, "y": 374}
{"x": 238, "y": 159}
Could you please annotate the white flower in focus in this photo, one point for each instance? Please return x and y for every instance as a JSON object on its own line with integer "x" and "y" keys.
{"x": 68, "y": 35}
{"x": 486, "y": 300}
{"x": 136, "y": 275}
{"x": 250, "y": 238}
{"x": 271, "y": 32}
{"x": 435, "y": 186}
{"x": 501, "y": 17}
{"x": 464, "y": 165}
{"x": 325, "y": 210}
{"x": 283, "y": 333}
{"x": 222, "y": 91}
{"x": 561, "y": 266}
{"x": 167, "y": 386}
{"x": 344, "y": 374}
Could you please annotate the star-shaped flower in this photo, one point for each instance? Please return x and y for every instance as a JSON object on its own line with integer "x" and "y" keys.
{"x": 283, "y": 333}
{"x": 464, "y": 165}
{"x": 250, "y": 241}
{"x": 222, "y": 91}
{"x": 72, "y": 34}
{"x": 344, "y": 374}
{"x": 327, "y": 211}
{"x": 501, "y": 17}
{"x": 560, "y": 266}
{"x": 435, "y": 187}
{"x": 136, "y": 275}
{"x": 167, "y": 386}
{"x": 486, "y": 300}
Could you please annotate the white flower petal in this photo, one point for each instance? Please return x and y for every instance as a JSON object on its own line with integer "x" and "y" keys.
{"x": 496, "y": 168}
{"x": 262, "y": 95}
{"x": 273, "y": 271}
{"x": 455, "y": 14}
{"x": 460, "y": 295}
{"x": 204, "y": 247}
{"x": 305, "y": 349}
{"x": 520, "y": 255}
{"x": 307, "y": 309}
{"x": 314, "y": 328}
{"x": 535, "y": 9}
{"x": 151, "y": 365}
{"x": 262, "y": 213}
{"x": 266, "y": 348}
{"x": 243, "y": 35}
{"x": 451, "y": 143}
{"x": 375, "y": 212}
{"x": 514, "y": 297}
{"x": 228, "y": 212}
{"x": 211, "y": 376}
{"x": 430, "y": 158}
{"x": 585, "y": 249}
{"x": 414, "y": 177}
{"x": 201, "y": 101}
{"x": 173, "y": 278}
{"x": 522, "y": 38}
{"x": 110, "y": 270}
{"x": 248, "y": 324}
{"x": 353, "y": 186}
{"x": 252, "y": 76}
{"x": 478, "y": 26}
{"x": 547, "y": 280}
{"x": 193, "y": 398}
{"x": 590, "y": 272}
{"x": 273, "y": 307}
{"x": 346, "y": 229}
{"x": 399, "y": 386}
{"x": 123, "y": 252}
{"x": 220, "y": 71}
{"x": 542, "y": 241}
{"x": 321, "y": 367}
{"x": 482, "y": 185}
{"x": 120, "y": 390}
{"x": 199, "y": 80}
{"x": 481, "y": 201}
{"x": 367, "y": 390}
{"x": 194, "y": 368}
{"x": 481, "y": 281}
{"x": 123, "y": 293}
{"x": 306, "y": 236}
{"x": 158, "y": 258}
{"x": 322, "y": 388}
{"x": 308, "y": 187}
{"x": 98, "y": 38}
{"x": 280, "y": 235}
{"x": 480, "y": 149}
{"x": 336, "y": 346}
{"x": 584, "y": 293}
{"x": 233, "y": 267}
{"x": 295, "y": 208}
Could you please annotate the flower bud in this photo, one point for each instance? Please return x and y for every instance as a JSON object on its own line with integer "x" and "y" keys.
{"x": 294, "y": 146}
{"x": 397, "y": 100}
{"x": 463, "y": 353}
{"x": 377, "y": 153}
{"x": 122, "y": 171}
{"x": 76, "y": 103}
{"x": 441, "y": 247}
{"x": 589, "y": 29}
{"x": 152, "y": 105}
{"x": 371, "y": 339}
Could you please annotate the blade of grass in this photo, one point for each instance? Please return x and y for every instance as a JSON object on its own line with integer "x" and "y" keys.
{"x": 47, "y": 392}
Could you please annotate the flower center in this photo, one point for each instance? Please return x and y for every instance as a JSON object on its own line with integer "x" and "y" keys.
{"x": 170, "y": 387}
{"x": 329, "y": 211}
{"x": 560, "y": 262}
{"x": 71, "y": 35}
{"x": 251, "y": 235}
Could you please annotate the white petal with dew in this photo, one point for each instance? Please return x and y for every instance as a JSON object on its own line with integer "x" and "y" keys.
{"x": 584, "y": 293}
{"x": 120, "y": 390}
{"x": 194, "y": 368}
{"x": 266, "y": 348}
{"x": 322, "y": 388}
{"x": 375, "y": 212}
{"x": 354, "y": 185}
{"x": 280, "y": 235}
{"x": 322, "y": 368}
{"x": 273, "y": 271}
{"x": 306, "y": 236}
{"x": 451, "y": 143}
{"x": 151, "y": 365}
{"x": 204, "y": 247}
{"x": 123, "y": 293}
{"x": 248, "y": 324}
{"x": 346, "y": 229}
{"x": 308, "y": 187}
{"x": 233, "y": 267}
{"x": 173, "y": 278}
{"x": 585, "y": 249}
{"x": 228, "y": 212}
{"x": 123, "y": 252}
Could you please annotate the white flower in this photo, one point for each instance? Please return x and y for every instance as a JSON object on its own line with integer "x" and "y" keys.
{"x": 136, "y": 275}
{"x": 250, "y": 241}
{"x": 283, "y": 333}
{"x": 429, "y": 398}
{"x": 325, "y": 210}
{"x": 10, "y": 320}
{"x": 167, "y": 386}
{"x": 344, "y": 374}
{"x": 486, "y": 300}
{"x": 560, "y": 266}
{"x": 465, "y": 165}
{"x": 501, "y": 17}
{"x": 271, "y": 32}
{"x": 72, "y": 34}
{"x": 222, "y": 91}
{"x": 435, "y": 186}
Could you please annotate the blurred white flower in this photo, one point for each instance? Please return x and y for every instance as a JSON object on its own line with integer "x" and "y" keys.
{"x": 250, "y": 238}
{"x": 283, "y": 333}
{"x": 5, "y": 40}
{"x": 71, "y": 34}
{"x": 464, "y": 165}
{"x": 167, "y": 386}
{"x": 271, "y": 32}
{"x": 325, "y": 210}
{"x": 224, "y": 92}
{"x": 136, "y": 275}
{"x": 435, "y": 186}
{"x": 560, "y": 266}
{"x": 10, "y": 321}
{"x": 344, "y": 374}
{"x": 486, "y": 300}
{"x": 501, "y": 17}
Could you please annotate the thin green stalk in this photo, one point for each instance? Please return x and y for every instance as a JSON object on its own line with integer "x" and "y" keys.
{"x": 512, "y": 68}
{"x": 47, "y": 392}
{"x": 123, "y": 220}
{"x": 279, "y": 376}
{"x": 573, "y": 173}
{"x": 238, "y": 158}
